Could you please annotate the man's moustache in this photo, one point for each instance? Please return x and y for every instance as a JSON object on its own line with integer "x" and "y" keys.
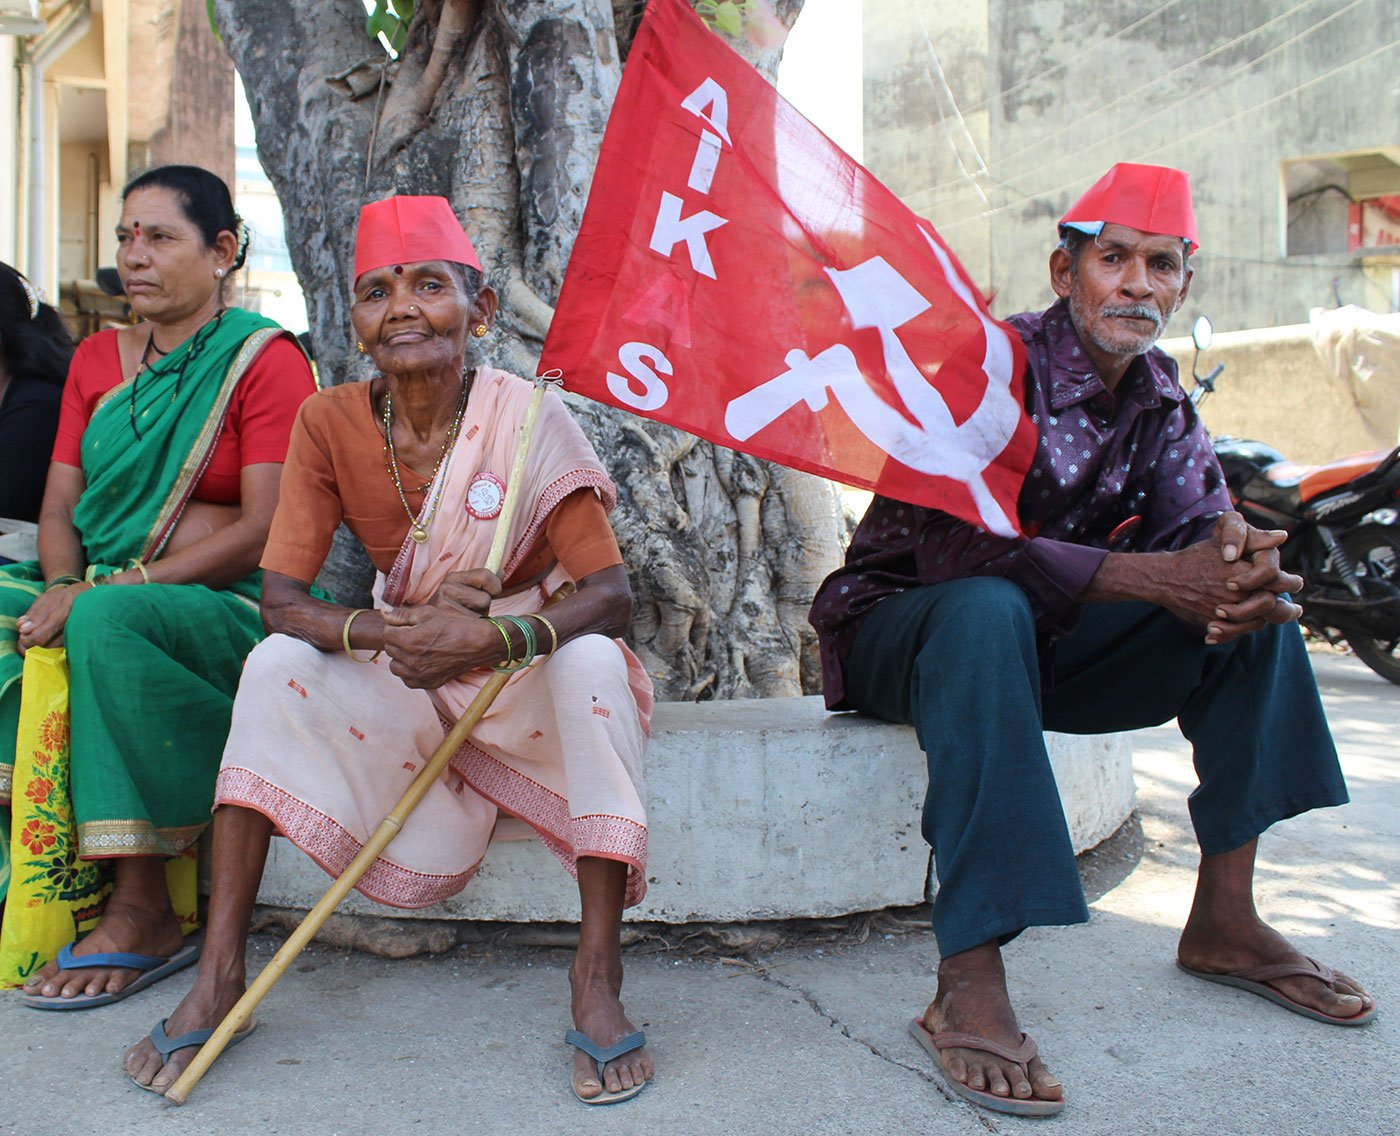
{"x": 1137, "y": 311}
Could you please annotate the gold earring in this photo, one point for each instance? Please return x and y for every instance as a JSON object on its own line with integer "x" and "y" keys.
{"x": 359, "y": 346}
{"x": 480, "y": 330}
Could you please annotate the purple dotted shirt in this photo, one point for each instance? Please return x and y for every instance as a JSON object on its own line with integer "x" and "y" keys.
{"x": 1102, "y": 460}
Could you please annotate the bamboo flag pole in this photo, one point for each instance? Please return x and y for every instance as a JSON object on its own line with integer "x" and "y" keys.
{"x": 389, "y": 828}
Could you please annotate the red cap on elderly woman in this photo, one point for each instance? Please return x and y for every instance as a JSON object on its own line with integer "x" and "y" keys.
{"x": 402, "y": 230}
{"x": 1152, "y": 199}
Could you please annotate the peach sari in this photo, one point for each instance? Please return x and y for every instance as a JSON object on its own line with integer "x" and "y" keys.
{"x": 324, "y": 746}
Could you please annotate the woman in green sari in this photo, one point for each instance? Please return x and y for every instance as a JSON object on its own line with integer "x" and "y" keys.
{"x": 163, "y": 483}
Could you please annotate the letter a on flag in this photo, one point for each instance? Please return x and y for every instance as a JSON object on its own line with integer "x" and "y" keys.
{"x": 738, "y": 276}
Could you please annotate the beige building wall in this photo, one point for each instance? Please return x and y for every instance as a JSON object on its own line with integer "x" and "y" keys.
{"x": 1276, "y": 389}
{"x": 111, "y": 88}
{"x": 9, "y": 152}
{"x": 990, "y": 117}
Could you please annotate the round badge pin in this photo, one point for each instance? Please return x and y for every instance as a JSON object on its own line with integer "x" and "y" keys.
{"x": 485, "y": 496}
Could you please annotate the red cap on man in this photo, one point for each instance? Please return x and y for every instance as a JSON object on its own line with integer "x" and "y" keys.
{"x": 1152, "y": 199}
{"x": 402, "y": 230}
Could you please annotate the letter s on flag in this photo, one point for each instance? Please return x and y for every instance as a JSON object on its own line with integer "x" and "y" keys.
{"x": 634, "y": 358}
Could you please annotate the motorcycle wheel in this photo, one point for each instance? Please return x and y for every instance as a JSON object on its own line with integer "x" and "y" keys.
{"x": 1375, "y": 550}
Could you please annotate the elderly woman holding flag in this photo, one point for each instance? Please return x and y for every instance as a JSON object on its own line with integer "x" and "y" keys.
{"x": 339, "y": 707}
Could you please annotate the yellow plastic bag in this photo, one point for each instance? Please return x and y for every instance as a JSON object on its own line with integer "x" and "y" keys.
{"x": 55, "y": 898}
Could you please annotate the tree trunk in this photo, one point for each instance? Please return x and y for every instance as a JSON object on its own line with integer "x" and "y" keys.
{"x": 500, "y": 107}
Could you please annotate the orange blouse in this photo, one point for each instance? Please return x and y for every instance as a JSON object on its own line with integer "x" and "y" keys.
{"x": 335, "y": 472}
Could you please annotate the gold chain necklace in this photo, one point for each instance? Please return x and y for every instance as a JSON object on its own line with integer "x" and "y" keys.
{"x": 418, "y": 530}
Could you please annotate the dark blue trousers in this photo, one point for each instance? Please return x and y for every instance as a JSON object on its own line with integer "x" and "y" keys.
{"x": 959, "y": 662}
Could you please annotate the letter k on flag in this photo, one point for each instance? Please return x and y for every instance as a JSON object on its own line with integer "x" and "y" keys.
{"x": 738, "y": 276}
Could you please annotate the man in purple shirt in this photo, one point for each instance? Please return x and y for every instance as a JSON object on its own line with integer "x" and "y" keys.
{"x": 1137, "y": 595}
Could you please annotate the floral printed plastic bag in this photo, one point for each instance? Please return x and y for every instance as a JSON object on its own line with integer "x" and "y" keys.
{"x": 54, "y": 897}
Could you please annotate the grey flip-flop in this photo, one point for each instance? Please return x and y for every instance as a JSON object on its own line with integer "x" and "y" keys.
{"x": 153, "y": 969}
{"x": 1257, "y": 980}
{"x": 602, "y": 1057}
{"x": 166, "y": 1045}
{"x": 1021, "y": 1055}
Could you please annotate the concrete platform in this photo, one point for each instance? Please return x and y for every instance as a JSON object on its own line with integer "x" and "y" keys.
{"x": 764, "y": 809}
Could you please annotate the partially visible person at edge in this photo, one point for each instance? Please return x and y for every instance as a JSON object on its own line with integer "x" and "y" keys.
{"x": 34, "y": 351}
{"x": 340, "y": 708}
{"x": 162, "y": 487}
{"x": 1137, "y": 596}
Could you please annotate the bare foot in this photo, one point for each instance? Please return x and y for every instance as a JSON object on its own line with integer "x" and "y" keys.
{"x": 597, "y": 1010}
{"x": 1219, "y": 946}
{"x": 131, "y": 928}
{"x": 972, "y": 999}
{"x": 204, "y": 1007}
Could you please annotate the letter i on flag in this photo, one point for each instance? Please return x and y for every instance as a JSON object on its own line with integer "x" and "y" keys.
{"x": 740, "y": 277}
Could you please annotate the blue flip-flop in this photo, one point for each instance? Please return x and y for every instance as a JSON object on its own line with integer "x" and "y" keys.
{"x": 166, "y": 1045}
{"x": 153, "y": 968}
{"x": 602, "y": 1057}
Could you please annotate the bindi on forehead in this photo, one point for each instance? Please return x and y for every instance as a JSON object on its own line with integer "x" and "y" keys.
{"x": 398, "y": 270}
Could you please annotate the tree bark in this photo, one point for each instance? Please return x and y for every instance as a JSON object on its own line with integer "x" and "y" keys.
{"x": 500, "y": 107}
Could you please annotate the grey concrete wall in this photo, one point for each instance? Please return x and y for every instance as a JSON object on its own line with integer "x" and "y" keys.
{"x": 1276, "y": 389}
{"x": 991, "y": 116}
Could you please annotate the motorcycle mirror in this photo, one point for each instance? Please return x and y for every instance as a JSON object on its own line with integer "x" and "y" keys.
{"x": 1202, "y": 332}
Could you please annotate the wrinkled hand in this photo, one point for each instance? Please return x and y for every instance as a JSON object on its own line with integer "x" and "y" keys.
{"x": 467, "y": 592}
{"x": 431, "y": 645}
{"x": 42, "y": 625}
{"x": 1261, "y": 593}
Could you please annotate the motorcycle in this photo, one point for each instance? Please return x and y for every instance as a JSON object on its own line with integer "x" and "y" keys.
{"x": 1343, "y": 524}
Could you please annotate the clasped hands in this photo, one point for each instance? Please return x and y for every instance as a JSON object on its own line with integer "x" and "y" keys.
{"x": 431, "y": 644}
{"x": 1233, "y": 583}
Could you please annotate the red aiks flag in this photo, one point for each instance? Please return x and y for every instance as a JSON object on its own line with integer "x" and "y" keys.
{"x": 740, "y": 277}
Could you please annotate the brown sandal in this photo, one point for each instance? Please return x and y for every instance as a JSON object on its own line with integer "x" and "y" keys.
{"x": 1258, "y": 979}
{"x": 1022, "y": 1055}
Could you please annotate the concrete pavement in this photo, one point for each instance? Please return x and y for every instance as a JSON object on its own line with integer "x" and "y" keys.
{"x": 810, "y": 1038}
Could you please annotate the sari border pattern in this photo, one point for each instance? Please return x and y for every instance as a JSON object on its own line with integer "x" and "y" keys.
{"x": 99, "y": 839}
{"x": 549, "y": 499}
{"x": 567, "y": 837}
{"x": 202, "y": 451}
{"x": 333, "y": 846}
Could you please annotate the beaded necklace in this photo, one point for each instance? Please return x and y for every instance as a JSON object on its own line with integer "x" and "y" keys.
{"x": 419, "y": 530}
{"x": 196, "y": 345}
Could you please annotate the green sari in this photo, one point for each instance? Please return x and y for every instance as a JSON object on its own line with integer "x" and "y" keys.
{"x": 152, "y": 669}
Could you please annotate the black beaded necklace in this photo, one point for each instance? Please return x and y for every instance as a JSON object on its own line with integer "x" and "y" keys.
{"x": 196, "y": 345}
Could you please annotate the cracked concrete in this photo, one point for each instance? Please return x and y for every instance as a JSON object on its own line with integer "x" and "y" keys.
{"x": 809, "y": 1039}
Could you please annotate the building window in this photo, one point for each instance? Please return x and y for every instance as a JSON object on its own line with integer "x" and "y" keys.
{"x": 1343, "y": 203}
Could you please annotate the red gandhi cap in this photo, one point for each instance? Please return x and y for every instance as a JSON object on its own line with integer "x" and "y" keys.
{"x": 1152, "y": 199}
{"x": 402, "y": 230}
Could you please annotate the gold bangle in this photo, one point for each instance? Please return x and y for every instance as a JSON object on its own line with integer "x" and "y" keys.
{"x": 140, "y": 567}
{"x": 553, "y": 635}
{"x": 345, "y": 637}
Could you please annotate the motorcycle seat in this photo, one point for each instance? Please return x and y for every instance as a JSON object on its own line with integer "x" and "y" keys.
{"x": 1315, "y": 480}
